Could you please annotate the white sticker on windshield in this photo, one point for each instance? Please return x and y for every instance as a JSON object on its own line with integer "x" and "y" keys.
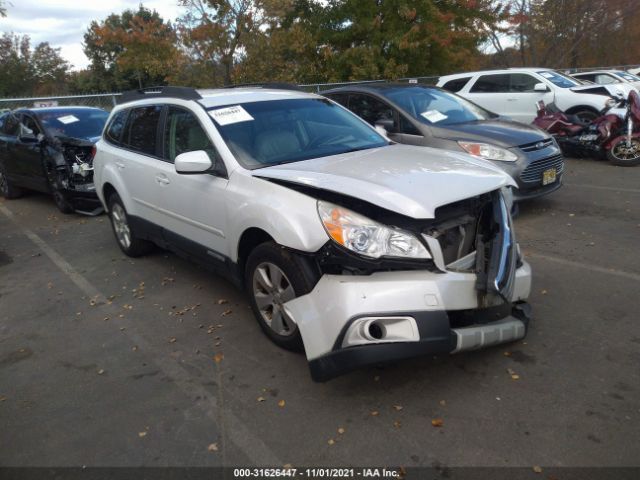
{"x": 546, "y": 74}
{"x": 434, "y": 116}
{"x": 68, "y": 119}
{"x": 229, "y": 115}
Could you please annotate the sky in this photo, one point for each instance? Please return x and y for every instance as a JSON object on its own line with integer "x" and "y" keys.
{"x": 63, "y": 23}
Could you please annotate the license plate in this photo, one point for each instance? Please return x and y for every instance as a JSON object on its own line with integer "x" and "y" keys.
{"x": 548, "y": 176}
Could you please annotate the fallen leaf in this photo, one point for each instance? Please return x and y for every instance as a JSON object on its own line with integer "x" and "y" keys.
{"x": 331, "y": 441}
{"x": 287, "y": 466}
{"x": 543, "y": 292}
{"x": 397, "y": 424}
{"x": 514, "y": 375}
{"x": 134, "y": 348}
{"x": 225, "y": 313}
{"x": 218, "y": 357}
{"x": 507, "y": 354}
{"x": 443, "y": 403}
{"x": 101, "y": 371}
{"x": 341, "y": 430}
{"x": 261, "y": 399}
{"x": 375, "y": 413}
{"x": 398, "y": 407}
{"x": 213, "y": 447}
{"x": 222, "y": 301}
{"x": 437, "y": 422}
{"x": 2, "y": 398}
{"x": 172, "y": 340}
{"x": 142, "y": 434}
{"x": 281, "y": 403}
{"x": 537, "y": 469}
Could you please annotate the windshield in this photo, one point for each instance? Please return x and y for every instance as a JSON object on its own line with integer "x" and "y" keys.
{"x": 559, "y": 79}
{"x": 86, "y": 123}
{"x": 273, "y": 132}
{"x": 628, "y": 76}
{"x": 433, "y": 106}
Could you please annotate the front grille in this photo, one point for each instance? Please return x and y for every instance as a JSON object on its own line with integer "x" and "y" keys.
{"x": 532, "y": 147}
{"x": 533, "y": 172}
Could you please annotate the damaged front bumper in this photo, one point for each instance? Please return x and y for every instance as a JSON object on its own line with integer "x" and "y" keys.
{"x": 347, "y": 322}
{"x": 84, "y": 199}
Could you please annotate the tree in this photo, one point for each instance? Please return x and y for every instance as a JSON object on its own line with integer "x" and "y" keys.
{"x": 49, "y": 70}
{"x": 130, "y": 50}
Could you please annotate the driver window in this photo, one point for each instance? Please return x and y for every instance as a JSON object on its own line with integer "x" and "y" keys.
{"x": 605, "y": 79}
{"x": 183, "y": 133}
{"x": 28, "y": 126}
{"x": 370, "y": 109}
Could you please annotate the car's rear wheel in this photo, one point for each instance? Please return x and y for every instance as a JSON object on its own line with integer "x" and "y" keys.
{"x": 625, "y": 154}
{"x": 7, "y": 189}
{"x": 586, "y": 115}
{"x": 128, "y": 242}
{"x": 273, "y": 276}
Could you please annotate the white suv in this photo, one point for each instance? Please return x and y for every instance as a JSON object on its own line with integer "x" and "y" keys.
{"x": 514, "y": 92}
{"x": 355, "y": 249}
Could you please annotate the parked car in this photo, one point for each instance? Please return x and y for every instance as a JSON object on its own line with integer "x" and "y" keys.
{"x": 51, "y": 150}
{"x": 610, "y": 77}
{"x": 514, "y": 92}
{"x": 430, "y": 116}
{"x": 355, "y": 249}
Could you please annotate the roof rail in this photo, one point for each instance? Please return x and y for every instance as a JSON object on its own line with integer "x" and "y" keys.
{"x": 184, "y": 93}
{"x": 274, "y": 85}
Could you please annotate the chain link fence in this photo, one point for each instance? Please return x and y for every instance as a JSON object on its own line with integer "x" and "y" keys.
{"x": 108, "y": 100}
{"x": 102, "y": 100}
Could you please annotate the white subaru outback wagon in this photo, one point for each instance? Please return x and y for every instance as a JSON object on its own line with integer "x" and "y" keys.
{"x": 351, "y": 248}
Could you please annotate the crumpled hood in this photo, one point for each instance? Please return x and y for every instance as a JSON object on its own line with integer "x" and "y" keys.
{"x": 501, "y": 132}
{"x": 412, "y": 181}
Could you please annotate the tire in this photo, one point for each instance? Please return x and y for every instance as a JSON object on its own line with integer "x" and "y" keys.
{"x": 63, "y": 205}
{"x": 587, "y": 115}
{"x": 129, "y": 243}
{"x": 621, "y": 155}
{"x": 266, "y": 294}
{"x": 7, "y": 189}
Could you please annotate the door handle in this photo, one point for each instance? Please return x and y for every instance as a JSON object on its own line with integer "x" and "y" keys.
{"x": 120, "y": 165}
{"x": 162, "y": 179}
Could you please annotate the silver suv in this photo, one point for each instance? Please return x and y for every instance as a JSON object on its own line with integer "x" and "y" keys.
{"x": 354, "y": 249}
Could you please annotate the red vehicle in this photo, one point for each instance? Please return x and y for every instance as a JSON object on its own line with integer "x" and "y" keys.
{"x": 614, "y": 135}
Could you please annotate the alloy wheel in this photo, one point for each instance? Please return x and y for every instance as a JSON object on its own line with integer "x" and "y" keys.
{"x": 624, "y": 151}
{"x": 271, "y": 290}
{"x": 121, "y": 225}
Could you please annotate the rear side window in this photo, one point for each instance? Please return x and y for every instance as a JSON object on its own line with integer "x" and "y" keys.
{"x": 369, "y": 108}
{"x": 183, "y": 133}
{"x": 341, "y": 98}
{"x": 116, "y": 127}
{"x": 491, "y": 84}
{"x": 142, "y": 129}
{"x": 456, "y": 85}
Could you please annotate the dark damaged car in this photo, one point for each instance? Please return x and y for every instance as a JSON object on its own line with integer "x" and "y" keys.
{"x": 51, "y": 150}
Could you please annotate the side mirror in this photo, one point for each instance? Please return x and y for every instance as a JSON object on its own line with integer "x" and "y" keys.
{"x": 387, "y": 123}
{"x": 190, "y": 163}
{"x": 540, "y": 87}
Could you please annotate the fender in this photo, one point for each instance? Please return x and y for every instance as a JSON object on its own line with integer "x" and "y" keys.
{"x": 289, "y": 217}
{"x": 609, "y": 145}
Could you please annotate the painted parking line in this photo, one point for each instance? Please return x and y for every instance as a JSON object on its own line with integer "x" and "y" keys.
{"x": 593, "y": 268}
{"x": 231, "y": 427}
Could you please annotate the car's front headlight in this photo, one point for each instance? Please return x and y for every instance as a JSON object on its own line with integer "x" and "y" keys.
{"x": 488, "y": 151}
{"x": 368, "y": 237}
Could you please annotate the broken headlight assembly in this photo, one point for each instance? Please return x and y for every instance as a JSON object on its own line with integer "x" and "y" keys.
{"x": 368, "y": 237}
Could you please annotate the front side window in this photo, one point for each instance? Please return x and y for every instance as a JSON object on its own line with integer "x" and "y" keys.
{"x": 433, "y": 106}
{"x": 142, "y": 129}
{"x": 10, "y": 125}
{"x": 369, "y": 108}
{"x": 521, "y": 82}
{"x": 28, "y": 126}
{"x": 183, "y": 133}
{"x": 282, "y": 131}
{"x": 605, "y": 79}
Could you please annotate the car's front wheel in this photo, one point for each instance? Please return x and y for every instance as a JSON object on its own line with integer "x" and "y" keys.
{"x": 128, "y": 242}
{"x": 61, "y": 202}
{"x": 273, "y": 276}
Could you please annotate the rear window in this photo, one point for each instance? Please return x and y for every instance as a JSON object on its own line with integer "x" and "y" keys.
{"x": 142, "y": 129}
{"x": 456, "y": 85}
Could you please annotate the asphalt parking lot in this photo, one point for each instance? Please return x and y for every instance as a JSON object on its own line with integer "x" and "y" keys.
{"x": 109, "y": 361}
